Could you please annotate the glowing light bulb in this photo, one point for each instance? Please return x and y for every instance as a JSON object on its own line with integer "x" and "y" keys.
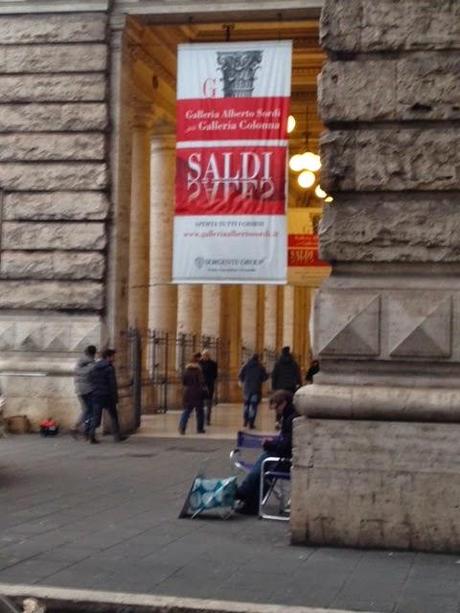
{"x": 306, "y": 179}
{"x": 329, "y": 199}
{"x": 311, "y": 161}
{"x": 291, "y": 124}
{"x": 296, "y": 163}
{"x": 319, "y": 192}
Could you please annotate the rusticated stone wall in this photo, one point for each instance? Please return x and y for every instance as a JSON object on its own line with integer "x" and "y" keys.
{"x": 374, "y": 464}
{"x": 54, "y": 203}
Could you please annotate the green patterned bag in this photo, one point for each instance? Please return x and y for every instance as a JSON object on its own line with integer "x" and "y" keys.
{"x": 207, "y": 494}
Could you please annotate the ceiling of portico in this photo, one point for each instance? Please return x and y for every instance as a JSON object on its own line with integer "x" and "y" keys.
{"x": 153, "y": 54}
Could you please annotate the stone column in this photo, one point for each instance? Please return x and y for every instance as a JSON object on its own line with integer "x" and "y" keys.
{"x": 189, "y": 309}
{"x": 162, "y": 294}
{"x": 210, "y": 310}
{"x": 270, "y": 317}
{"x": 288, "y": 315}
{"x": 138, "y": 297}
{"x": 249, "y": 319}
{"x": 387, "y": 321}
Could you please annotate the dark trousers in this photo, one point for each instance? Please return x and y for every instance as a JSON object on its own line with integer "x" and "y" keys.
{"x": 251, "y": 404}
{"x": 87, "y": 413}
{"x": 208, "y": 402}
{"x": 186, "y": 414}
{"x": 100, "y": 403}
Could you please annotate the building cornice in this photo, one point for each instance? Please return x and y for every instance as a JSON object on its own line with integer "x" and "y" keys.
{"x": 20, "y": 7}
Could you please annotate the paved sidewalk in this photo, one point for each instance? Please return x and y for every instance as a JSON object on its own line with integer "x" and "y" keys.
{"x": 105, "y": 517}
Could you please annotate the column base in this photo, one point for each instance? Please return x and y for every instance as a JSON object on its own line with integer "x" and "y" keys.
{"x": 376, "y": 484}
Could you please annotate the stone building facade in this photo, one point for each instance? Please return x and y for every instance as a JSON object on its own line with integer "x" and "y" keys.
{"x": 87, "y": 158}
{"x": 84, "y": 104}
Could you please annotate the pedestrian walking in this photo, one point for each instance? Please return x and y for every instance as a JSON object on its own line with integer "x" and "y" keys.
{"x": 251, "y": 377}
{"x": 210, "y": 371}
{"x": 84, "y": 391}
{"x": 194, "y": 394}
{"x": 286, "y": 373}
{"x": 105, "y": 394}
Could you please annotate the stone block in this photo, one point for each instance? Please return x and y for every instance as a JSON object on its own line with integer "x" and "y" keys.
{"x": 53, "y": 28}
{"x": 379, "y": 484}
{"x": 47, "y": 333}
{"x": 77, "y": 117}
{"x": 348, "y": 324}
{"x": 51, "y": 146}
{"x": 55, "y": 265}
{"x": 411, "y": 88}
{"x": 57, "y": 295}
{"x": 53, "y": 176}
{"x": 53, "y": 58}
{"x": 391, "y": 159}
{"x": 340, "y": 25}
{"x": 391, "y": 228}
{"x": 351, "y": 26}
{"x": 420, "y": 326}
{"x": 58, "y": 205}
{"x": 48, "y": 88}
{"x": 357, "y": 91}
{"x": 53, "y": 235}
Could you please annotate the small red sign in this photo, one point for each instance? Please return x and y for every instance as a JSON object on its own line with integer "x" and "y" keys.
{"x": 303, "y": 251}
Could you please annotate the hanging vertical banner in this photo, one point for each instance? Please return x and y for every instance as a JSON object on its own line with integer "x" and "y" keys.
{"x": 230, "y": 214}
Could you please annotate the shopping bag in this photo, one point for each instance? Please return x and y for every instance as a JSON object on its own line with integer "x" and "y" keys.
{"x": 210, "y": 494}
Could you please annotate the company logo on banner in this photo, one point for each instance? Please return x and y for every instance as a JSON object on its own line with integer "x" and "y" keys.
{"x": 232, "y": 109}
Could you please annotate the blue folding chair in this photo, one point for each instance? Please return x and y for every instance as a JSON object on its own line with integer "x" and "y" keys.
{"x": 245, "y": 440}
{"x": 272, "y": 479}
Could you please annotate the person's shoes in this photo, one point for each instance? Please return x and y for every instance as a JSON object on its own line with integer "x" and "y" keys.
{"x": 252, "y": 426}
{"x": 181, "y": 430}
{"x": 120, "y": 438}
{"x": 245, "y": 425}
{"x": 244, "y": 509}
{"x": 203, "y": 431}
{"x": 75, "y": 433}
{"x": 94, "y": 441}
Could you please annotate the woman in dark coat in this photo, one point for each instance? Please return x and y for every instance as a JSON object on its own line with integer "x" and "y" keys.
{"x": 193, "y": 395}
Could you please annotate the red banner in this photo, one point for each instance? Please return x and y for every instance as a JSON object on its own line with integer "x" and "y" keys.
{"x": 303, "y": 251}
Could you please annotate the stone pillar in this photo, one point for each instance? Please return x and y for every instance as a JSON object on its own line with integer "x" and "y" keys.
{"x": 270, "y": 317}
{"x": 210, "y": 310}
{"x": 376, "y": 461}
{"x": 162, "y": 294}
{"x": 249, "y": 319}
{"x": 288, "y": 315}
{"x": 138, "y": 297}
{"x": 231, "y": 332}
{"x": 189, "y": 309}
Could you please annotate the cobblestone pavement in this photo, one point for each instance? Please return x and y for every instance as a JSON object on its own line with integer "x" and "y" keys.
{"x": 105, "y": 517}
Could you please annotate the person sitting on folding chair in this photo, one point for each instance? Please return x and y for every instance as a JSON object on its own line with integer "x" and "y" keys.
{"x": 280, "y": 446}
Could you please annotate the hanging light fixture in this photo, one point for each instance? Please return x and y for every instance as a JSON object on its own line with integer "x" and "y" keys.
{"x": 329, "y": 199}
{"x": 311, "y": 161}
{"x": 291, "y": 124}
{"x": 306, "y": 179}
{"x": 320, "y": 193}
{"x": 296, "y": 163}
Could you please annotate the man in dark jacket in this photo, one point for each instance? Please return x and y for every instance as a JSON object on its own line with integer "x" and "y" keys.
{"x": 84, "y": 390}
{"x": 251, "y": 377}
{"x": 209, "y": 368}
{"x": 286, "y": 373}
{"x": 279, "y": 446}
{"x": 105, "y": 394}
{"x": 193, "y": 395}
